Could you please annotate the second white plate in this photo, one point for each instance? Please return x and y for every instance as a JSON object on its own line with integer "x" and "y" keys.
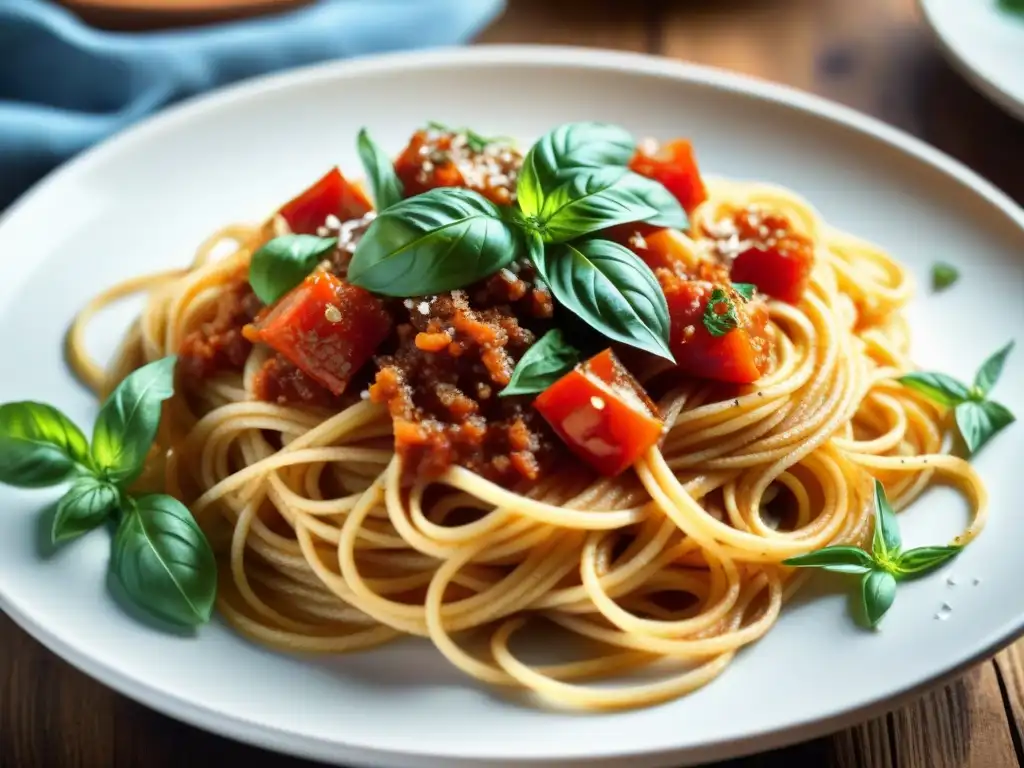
{"x": 986, "y": 43}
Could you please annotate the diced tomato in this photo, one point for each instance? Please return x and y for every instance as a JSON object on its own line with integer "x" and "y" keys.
{"x": 325, "y": 327}
{"x": 447, "y": 158}
{"x": 779, "y": 261}
{"x": 602, "y": 414}
{"x": 782, "y": 274}
{"x": 332, "y": 194}
{"x": 421, "y": 167}
{"x": 740, "y": 355}
{"x": 674, "y": 166}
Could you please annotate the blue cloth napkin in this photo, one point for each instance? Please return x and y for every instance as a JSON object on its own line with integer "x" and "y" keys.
{"x": 65, "y": 85}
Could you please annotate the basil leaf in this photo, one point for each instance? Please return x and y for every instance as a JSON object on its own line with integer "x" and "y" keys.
{"x": 86, "y": 505}
{"x": 720, "y": 323}
{"x": 127, "y": 423}
{"x": 922, "y": 560}
{"x": 944, "y": 275}
{"x": 387, "y": 187}
{"x": 561, "y": 153}
{"x": 284, "y": 262}
{"x": 530, "y": 192}
{"x": 670, "y": 212}
{"x": 590, "y": 201}
{"x": 838, "y": 558}
{"x": 939, "y": 387}
{"x": 164, "y": 561}
{"x": 980, "y": 422}
{"x": 746, "y": 290}
{"x": 443, "y": 239}
{"x": 1012, "y": 6}
{"x": 991, "y": 370}
{"x": 878, "y": 591}
{"x": 39, "y": 445}
{"x": 610, "y": 289}
{"x": 886, "y": 542}
{"x": 543, "y": 364}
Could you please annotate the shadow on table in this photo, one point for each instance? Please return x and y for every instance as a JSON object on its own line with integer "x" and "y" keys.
{"x": 926, "y": 96}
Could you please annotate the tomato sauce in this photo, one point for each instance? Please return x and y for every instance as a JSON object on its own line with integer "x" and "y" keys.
{"x": 218, "y": 345}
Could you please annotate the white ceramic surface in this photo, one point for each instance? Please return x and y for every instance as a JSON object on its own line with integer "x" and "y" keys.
{"x": 986, "y": 43}
{"x": 145, "y": 199}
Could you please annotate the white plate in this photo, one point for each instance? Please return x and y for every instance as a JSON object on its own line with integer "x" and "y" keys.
{"x": 145, "y": 199}
{"x": 986, "y": 43}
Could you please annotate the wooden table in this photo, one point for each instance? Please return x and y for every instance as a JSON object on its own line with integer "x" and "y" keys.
{"x": 874, "y": 55}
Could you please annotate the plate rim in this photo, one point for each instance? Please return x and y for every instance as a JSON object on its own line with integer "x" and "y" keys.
{"x": 280, "y": 740}
{"x": 986, "y": 86}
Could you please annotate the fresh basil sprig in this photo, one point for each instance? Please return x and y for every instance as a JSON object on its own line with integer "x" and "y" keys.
{"x": 944, "y": 275}
{"x": 160, "y": 557}
{"x": 284, "y": 262}
{"x": 443, "y": 239}
{"x": 884, "y": 566}
{"x": 387, "y": 187}
{"x": 978, "y": 418}
{"x": 542, "y": 365}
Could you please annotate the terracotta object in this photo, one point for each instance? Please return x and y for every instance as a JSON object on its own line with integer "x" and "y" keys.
{"x": 154, "y": 14}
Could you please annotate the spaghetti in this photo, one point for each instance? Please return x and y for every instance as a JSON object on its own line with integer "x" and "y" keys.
{"x": 329, "y": 546}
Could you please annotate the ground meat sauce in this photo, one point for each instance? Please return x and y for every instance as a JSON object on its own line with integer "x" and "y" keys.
{"x": 279, "y": 381}
{"x": 218, "y": 345}
{"x": 456, "y": 352}
{"x": 437, "y": 158}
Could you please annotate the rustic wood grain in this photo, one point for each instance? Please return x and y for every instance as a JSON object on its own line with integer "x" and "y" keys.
{"x": 592, "y": 23}
{"x": 874, "y": 55}
{"x": 1009, "y": 666}
{"x": 963, "y": 724}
